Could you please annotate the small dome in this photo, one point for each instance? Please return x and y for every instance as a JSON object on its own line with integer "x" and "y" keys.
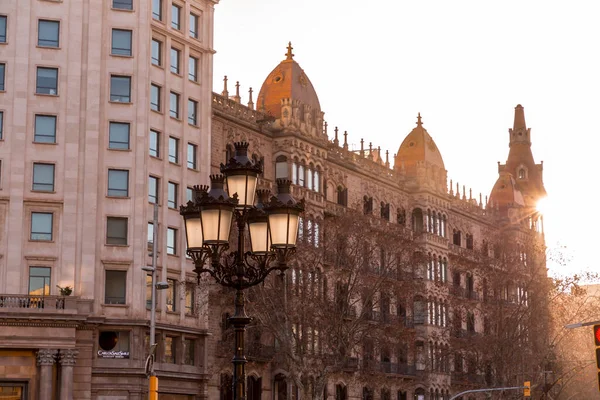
{"x": 287, "y": 81}
{"x": 418, "y": 146}
{"x": 506, "y": 193}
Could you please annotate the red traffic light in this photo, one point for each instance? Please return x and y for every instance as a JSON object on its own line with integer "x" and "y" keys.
{"x": 597, "y": 334}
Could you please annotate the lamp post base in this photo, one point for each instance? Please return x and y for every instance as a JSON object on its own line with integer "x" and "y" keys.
{"x": 239, "y": 321}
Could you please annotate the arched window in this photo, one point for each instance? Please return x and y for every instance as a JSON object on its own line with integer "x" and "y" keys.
{"x": 254, "y": 389}
{"x": 317, "y": 181}
{"x": 309, "y": 177}
{"x": 300, "y": 229}
{"x": 342, "y": 196}
{"x": 341, "y": 392}
{"x": 429, "y": 221}
{"x": 301, "y": 175}
{"x": 420, "y": 394}
{"x": 228, "y": 153}
{"x": 367, "y": 393}
{"x": 294, "y": 173}
{"x": 456, "y": 239}
{"x": 401, "y": 216}
{"x": 281, "y": 167}
{"x": 367, "y": 205}
{"x": 417, "y": 220}
{"x": 226, "y": 387}
{"x": 522, "y": 174}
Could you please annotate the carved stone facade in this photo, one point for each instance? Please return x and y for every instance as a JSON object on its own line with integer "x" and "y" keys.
{"x": 288, "y": 133}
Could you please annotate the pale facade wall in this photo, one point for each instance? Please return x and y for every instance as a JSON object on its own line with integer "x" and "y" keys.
{"x": 78, "y": 254}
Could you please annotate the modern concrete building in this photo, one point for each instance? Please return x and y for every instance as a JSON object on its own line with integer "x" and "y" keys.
{"x": 104, "y": 110}
{"x": 463, "y": 287}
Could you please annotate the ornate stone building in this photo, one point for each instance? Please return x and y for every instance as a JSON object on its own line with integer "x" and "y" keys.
{"x": 104, "y": 111}
{"x": 287, "y": 131}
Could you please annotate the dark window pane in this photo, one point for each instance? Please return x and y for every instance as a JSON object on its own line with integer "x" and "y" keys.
{"x": 175, "y": 17}
{"x": 175, "y": 60}
{"x": 118, "y": 183}
{"x": 123, "y": 4}
{"x": 157, "y": 9}
{"x": 172, "y": 195}
{"x": 48, "y": 33}
{"x": 173, "y": 150}
{"x": 154, "y": 143}
{"x": 193, "y": 69}
{"x": 154, "y": 97}
{"x": 39, "y": 281}
{"x": 45, "y": 129}
{"x": 191, "y": 156}
{"x": 1, "y": 123}
{"x": 41, "y": 226}
{"x": 171, "y": 241}
{"x": 118, "y": 135}
{"x": 43, "y": 177}
{"x": 174, "y": 105}
{"x": 172, "y": 295}
{"x": 152, "y": 189}
{"x": 121, "y": 42}
{"x": 116, "y": 230}
{"x": 114, "y": 287}
{"x": 47, "y": 81}
{"x": 194, "y": 26}
{"x": 192, "y": 109}
{"x": 2, "y": 28}
{"x": 120, "y": 89}
{"x": 156, "y": 50}
{"x": 2, "y": 78}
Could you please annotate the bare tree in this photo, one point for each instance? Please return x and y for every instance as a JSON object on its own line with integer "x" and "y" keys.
{"x": 349, "y": 293}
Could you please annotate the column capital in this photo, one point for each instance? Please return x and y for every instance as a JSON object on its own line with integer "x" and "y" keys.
{"x": 68, "y": 357}
{"x": 46, "y": 356}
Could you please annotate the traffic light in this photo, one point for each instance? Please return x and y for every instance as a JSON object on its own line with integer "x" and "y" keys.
{"x": 597, "y": 343}
{"x": 527, "y": 389}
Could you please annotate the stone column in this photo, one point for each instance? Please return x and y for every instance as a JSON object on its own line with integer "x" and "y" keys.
{"x": 67, "y": 358}
{"x": 45, "y": 360}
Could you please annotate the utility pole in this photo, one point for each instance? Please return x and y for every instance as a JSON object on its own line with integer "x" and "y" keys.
{"x": 153, "y": 380}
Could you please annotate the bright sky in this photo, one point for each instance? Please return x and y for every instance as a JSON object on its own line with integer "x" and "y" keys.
{"x": 464, "y": 65}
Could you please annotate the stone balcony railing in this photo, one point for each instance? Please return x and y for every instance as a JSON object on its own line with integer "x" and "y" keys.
{"x": 389, "y": 367}
{"x": 11, "y": 304}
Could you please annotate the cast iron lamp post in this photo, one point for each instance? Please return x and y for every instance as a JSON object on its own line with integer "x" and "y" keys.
{"x": 272, "y": 226}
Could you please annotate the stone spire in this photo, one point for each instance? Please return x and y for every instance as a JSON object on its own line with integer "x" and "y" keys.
{"x": 336, "y": 142}
{"x": 250, "y": 102}
{"x": 419, "y": 123}
{"x": 345, "y": 140}
{"x": 237, "y": 98}
{"x": 225, "y": 92}
{"x": 289, "y": 55}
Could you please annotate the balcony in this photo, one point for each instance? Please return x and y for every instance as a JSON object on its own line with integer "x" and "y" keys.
{"x": 27, "y": 305}
{"x": 334, "y": 208}
{"x": 466, "y": 378}
{"x": 459, "y": 291}
{"x": 256, "y": 351}
{"x": 389, "y": 367}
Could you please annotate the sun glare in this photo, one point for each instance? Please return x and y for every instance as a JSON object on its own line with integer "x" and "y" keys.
{"x": 543, "y": 206}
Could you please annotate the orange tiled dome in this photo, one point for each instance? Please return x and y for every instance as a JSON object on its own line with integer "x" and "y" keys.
{"x": 418, "y": 146}
{"x": 506, "y": 193}
{"x": 287, "y": 81}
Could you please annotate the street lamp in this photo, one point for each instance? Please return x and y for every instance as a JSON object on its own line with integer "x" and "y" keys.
{"x": 272, "y": 226}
